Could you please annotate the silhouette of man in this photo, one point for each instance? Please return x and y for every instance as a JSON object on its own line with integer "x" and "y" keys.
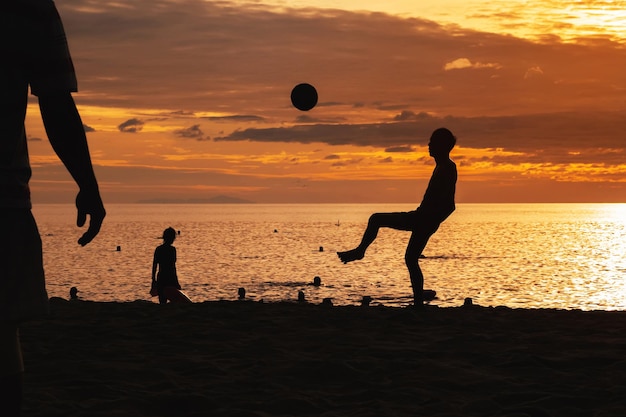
{"x": 34, "y": 53}
{"x": 436, "y": 206}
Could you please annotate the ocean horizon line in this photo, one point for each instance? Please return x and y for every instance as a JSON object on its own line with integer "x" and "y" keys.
{"x": 415, "y": 203}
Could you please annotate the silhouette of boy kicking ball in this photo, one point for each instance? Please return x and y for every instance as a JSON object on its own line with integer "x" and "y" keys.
{"x": 436, "y": 206}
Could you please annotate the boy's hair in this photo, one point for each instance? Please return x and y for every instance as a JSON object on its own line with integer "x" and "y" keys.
{"x": 169, "y": 235}
{"x": 445, "y": 137}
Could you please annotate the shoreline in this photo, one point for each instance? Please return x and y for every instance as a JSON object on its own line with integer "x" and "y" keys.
{"x": 243, "y": 358}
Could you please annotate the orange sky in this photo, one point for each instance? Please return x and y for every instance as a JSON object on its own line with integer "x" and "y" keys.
{"x": 189, "y": 99}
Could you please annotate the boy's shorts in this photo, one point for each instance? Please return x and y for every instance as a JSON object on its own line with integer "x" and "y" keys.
{"x": 23, "y": 293}
{"x": 418, "y": 221}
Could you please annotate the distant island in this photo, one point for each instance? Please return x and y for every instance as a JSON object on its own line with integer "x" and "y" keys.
{"x": 219, "y": 199}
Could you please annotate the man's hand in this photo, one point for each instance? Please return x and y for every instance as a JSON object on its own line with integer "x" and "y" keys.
{"x": 89, "y": 203}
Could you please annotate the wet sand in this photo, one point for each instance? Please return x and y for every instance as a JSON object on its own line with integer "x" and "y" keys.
{"x": 287, "y": 359}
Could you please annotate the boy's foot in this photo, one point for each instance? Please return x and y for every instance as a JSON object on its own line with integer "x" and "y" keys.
{"x": 351, "y": 255}
{"x": 423, "y": 307}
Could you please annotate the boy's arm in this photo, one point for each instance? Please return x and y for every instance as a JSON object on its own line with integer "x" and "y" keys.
{"x": 154, "y": 266}
{"x": 67, "y": 136}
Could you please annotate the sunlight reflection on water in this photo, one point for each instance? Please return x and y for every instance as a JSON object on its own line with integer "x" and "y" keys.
{"x": 532, "y": 255}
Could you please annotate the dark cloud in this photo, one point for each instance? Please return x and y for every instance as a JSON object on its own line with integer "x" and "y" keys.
{"x": 381, "y": 79}
{"x": 594, "y": 157}
{"x": 191, "y": 132}
{"x": 409, "y": 115}
{"x": 244, "y": 59}
{"x": 347, "y": 162}
{"x": 392, "y": 107}
{"x": 557, "y": 135}
{"x": 88, "y": 128}
{"x": 305, "y": 118}
{"x": 131, "y": 126}
{"x": 379, "y": 134}
{"x": 394, "y": 149}
{"x": 330, "y": 104}
{"x": 181, "y": 113}
{"x": 235, "y": 118}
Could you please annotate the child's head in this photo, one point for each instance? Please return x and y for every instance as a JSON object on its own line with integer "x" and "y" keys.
{"x": 441, "y": 141}
{"x": 169, "y": 235}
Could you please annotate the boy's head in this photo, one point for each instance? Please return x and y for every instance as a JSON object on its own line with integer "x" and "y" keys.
{"x": 441, "y": 142}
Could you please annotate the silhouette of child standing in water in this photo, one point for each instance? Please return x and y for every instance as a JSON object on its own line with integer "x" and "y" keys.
{"x": 165, "y": 262}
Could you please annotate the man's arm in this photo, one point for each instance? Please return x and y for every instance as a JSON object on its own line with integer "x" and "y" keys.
{"x": 67, "y": 136}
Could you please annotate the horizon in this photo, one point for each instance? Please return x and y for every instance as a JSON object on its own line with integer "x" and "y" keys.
{"x": 200, "y": 107}
{"x": 245, "y": 202}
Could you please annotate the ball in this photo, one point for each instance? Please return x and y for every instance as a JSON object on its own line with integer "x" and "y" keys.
{"x": 304, "y": 97}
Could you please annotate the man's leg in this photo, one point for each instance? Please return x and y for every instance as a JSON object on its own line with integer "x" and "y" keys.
{"x": 398, "y": 221}
{"x": 22, "y": 296}
{"x": 11, "y": 370}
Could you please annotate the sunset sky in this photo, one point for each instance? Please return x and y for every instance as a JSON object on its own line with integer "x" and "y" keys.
{"x": 189, "y": 99}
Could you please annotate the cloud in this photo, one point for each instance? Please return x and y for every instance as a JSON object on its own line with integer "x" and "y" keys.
{"x": 546, "y": 137}
{"x": 556, "y": 19}
{"x": 235, "y": 117}
{"x": 131, "y": 126}
{"x": 409, "y": 115}
{"x": 192, "y": 132}
{"x": 464, "y": 63}
{"x": 228, "y": 67}
{"x": 88, "y": 128}
{"x": 378, "y": 134}
{"x": 233, "y": 58}
{"x": 181, "y": 113}
{"x": 533, "y": 72}
{"x": 304, "y": 119}
{"x": 347, "y": 162}
{"x": 400, "y": 149}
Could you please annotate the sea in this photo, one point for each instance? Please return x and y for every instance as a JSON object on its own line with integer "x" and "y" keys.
{"x": 564, "y": 256}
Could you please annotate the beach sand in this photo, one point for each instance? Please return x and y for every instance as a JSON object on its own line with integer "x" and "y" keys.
{"x": 284, "y": 359}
